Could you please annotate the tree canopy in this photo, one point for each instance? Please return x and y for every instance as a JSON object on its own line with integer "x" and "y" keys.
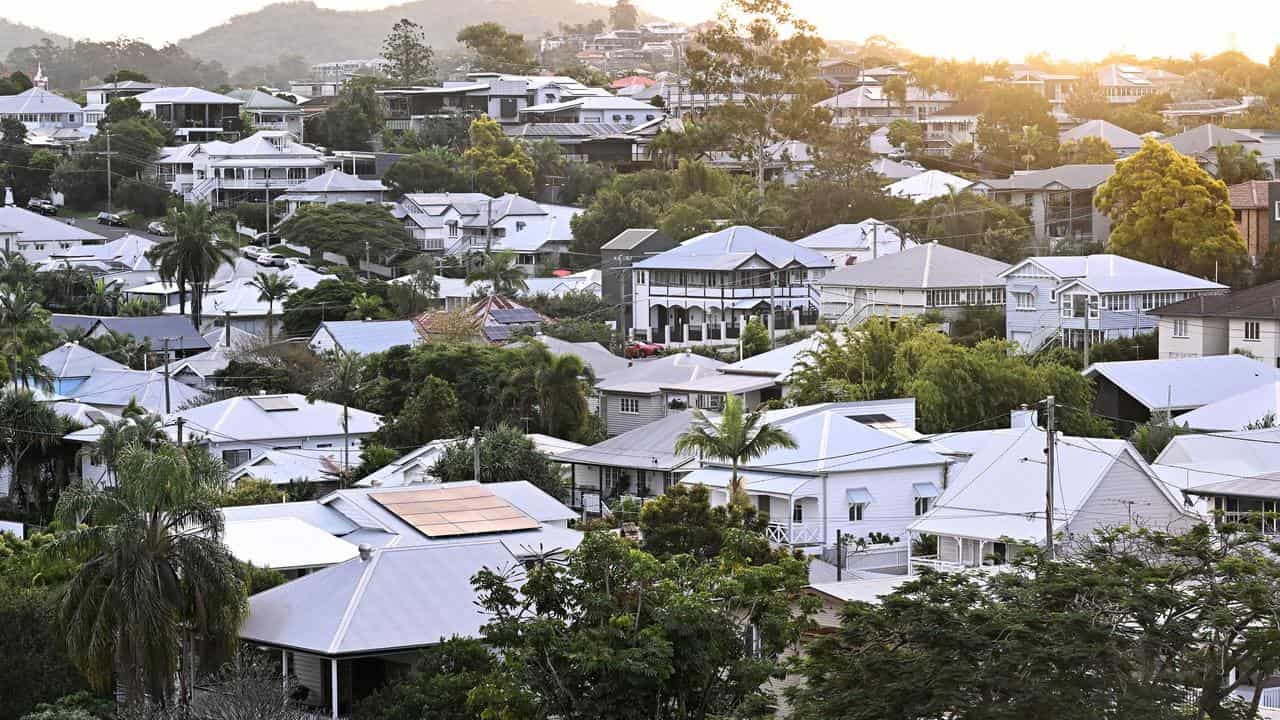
{"x": 406, "y": 49}
{"x": 353, "y": 230}
{"x": 495, "y": 49}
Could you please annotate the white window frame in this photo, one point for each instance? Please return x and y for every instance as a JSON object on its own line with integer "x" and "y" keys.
{"x": 923, "y": 505}
{"x": 629, "y": 405}
{"x": 1180, "y": 328}
{"x": 1256, "y": 327}
{"x": 1024, "y": 301}
{"x": 857, "y": 511}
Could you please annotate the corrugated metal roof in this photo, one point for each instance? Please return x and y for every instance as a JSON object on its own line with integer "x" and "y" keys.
{"x": 733, "y": 246}
{"x": 115, "y": 388}
{"x": 1114, "y": 135}
{"x": 34, "y": 227}
{"x": 243, "y": 418}
{"x": 924, "y": 266}
{"x": 1185, "y": 383}
{"x": 71, "y": 360}
{"x": 647, "y": 376}
{"x": 927, "y": 185}
{"x": 1235, "y": 412}
{"x": 373, "y": 336}
{"x": 185, "y": 94}
{"x": 284, "y": 543}
{"x": 36, "y": 100}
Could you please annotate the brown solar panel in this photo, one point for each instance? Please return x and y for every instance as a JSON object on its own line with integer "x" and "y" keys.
{"x": 451, "y": 511}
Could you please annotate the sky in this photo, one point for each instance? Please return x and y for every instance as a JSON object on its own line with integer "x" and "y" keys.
{"x": 987, "y": 30}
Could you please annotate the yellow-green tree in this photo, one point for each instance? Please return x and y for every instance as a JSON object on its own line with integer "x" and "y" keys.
{"x": 497, "y": 165}
{"x": 1166, "y": 210}
{"x": 1089, "y": 150}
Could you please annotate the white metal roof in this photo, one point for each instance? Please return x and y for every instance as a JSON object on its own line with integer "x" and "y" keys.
{"x": 115, "y": 388}
{"x": 36, "y": 100}
{"x": 185, "y": 95}
{"x": 370, "y": 336}
{"x": 1186, "y": 383}
{"x": 284, "y": 543}
{"x": 34, "y": 227}
{"x": 927, "y": 185}
{"x": 925, "y": 266}
{"x": 1107, "y": 273}
{"x": 646, "y": 377}
{"x": 731, "y": 247}
{"x": 256, "y": 417}
{"x": 71, "y": 360}
{"x": 1236, "y": 411}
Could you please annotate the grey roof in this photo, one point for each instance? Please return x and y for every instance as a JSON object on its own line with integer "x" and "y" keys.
{"x": 595, "y": 356}
{"x": 36, "y": 100}
{"x": 924, "y": 266}
{"x": 1114, "y": 135}
{"x": 370, "y": 336}
{"x": 337, "y": 181}
{"x": 1260, "y": 301}
{"x": 115, "y": 388}
{"x": 71, "y": 360}
{"x": 650, "y": 447}
{"x": 730, "y": 248}
{"x": 123, "y": 85}
{"x": 1073, "y": 177}
{"x": 852, "y": 236}
{"x": 1185, "y": 383}
{"x": 309, "y": 511}
{"x": 399, "y": 599}
{"x": 630, "y": 239}
{"x": 271, "y": 417}
{"x": 1237, "y": 411}
{"x": 63, "y": 322}
{"x": 178, "y": 328}
{"x": 185, "y": 94}
{"x": 1263, "y": 486}
{"x": 777, "y": 363}
{"x": 257, "y": 100}
{"x": 35, "y": 227}
{"x": 648, "y": 376}
{"x": 1203, "y": 138}
{"x": 1115, "y": 273}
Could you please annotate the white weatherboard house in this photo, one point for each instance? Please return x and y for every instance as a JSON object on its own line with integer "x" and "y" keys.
{"x": 70, "y": 364}
{"x": 36, "y": 237}
{"x": 855, "y": 469}
{"x": 241, "y": 428}
{"x": 333, "y": 187}
{"x": 1244, "y": 321}
{"x": 1101, "y": 297}
{"x": 857, "y": 242}
{"x": 708, "y": 287}
{"x": 755, "y": 380}
{"x": 269, "y": 162}
{"x": 1234, "y": 473}
{"x": 912, "y": 282}
{"x": 633, "y": 397}
{"x": 997, "y": 502}
{"x": 459, "y": 223}
{"x": 41, "y": 111}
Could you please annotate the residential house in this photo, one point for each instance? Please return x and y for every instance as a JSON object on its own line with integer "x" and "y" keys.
{"x": 191, "y": 113}
{"x": 36, "y": 237}
{"x": 754, "y": 381}
{"x": 850, "y": 243}
{"x": 363, "y": 336}
{"x": 97, "y": 97}
{"x": 1192, "y": 113}
{"x": 1201, "y": 144}
{"x": 1127, "y": 84}
{"x": 845, "y": 475}
{"x": 957, "y": 125}
{"x": 641, "y": 462}
{"x": 894, "y": 170}
{"x": 122, "y": 262}
{"x": 112, "y": 390}
{"x": 1121, "y": 141}
{"x": 995, "y": 507}
{"x": 494, "y": 319}
{"x": 239, "y": 302}
{"x": 70, "y": 364}
{"x": 623, "y": 145}
{"x": 269, "y": 112}
{"x": 1060, "y": 201}
{"x": 705, "y": 289}
{"x": 227, "y": 343}
{"x": 624, "y": 111}
{"x": 1091, "y": 298}
{"x": 910, "y": 283}
{"x": 241, "y": 428}
{"x": 633, "y": 397}
{"x": 328, "y": 78}
{"x": 333, "y": 187}
{"x": 871, "y": 105}
{"x": 498, "y": 95}
{"x": 415, "y": 467}
{"x": 616, "y": 258}
{"x": 172, "y": 334}
{"x": 1134, "y": 391}
{"x": 1245, "y": 322}
{"x": 457, "y": 223}
{"x": 42, "y": 112}
{"x": 1257, "y": 209}
{"x": 1233, "y": 473}
{"x": 595, "y": 357}
{"x": 1256, "y": 407}
{"x": 265, "y": 164}
{"x": 1054, "y": 87}
{"x": 927, "y": 185}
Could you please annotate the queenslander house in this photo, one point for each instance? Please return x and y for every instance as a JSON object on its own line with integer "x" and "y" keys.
{"x": 707, "y": 288}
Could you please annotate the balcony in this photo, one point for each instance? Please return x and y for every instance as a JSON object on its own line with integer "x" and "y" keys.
{"x": 794, "y": 533}
{"x": 932, "y": 562}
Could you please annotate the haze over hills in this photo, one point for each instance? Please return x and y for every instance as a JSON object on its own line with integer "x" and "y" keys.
{"x": 14, "y": 35}
{"x": 320, "y": 35}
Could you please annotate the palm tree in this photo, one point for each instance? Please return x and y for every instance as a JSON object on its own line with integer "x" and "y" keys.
{"x": 500, "y": 271}
{"x": 271, "y": 287}
{"x": 103, "y": 294}
{"x": 343, "y": 380}
{"x": 26, "y": 426}
{"x": 365, "y": 307}
{"x": 192, "y": 257}
{"x": 155, "y": 576}
{"x": 18, "y": 312}
{"x": 558, "y": 380}
{"x": 135, "y": 427}
{"x": 1029, "y": 142}
{"x": 738, "y": 437}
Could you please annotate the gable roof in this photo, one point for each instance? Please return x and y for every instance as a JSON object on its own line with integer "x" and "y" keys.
{"x": 777, "y": 363}
{"x": 71, "y": 360}
{"x": 1254, "y": 194}
{"x": 853, "y": 236}
{"x": 1071, "y": 177}
{"x": 336, "y": 181}
{"x": 106, "y": 386}
{"x": 185, "y": 94}
{"x": 269, "y": 417}
{"x": 1261, "y": 301}
{"x": 398, "y": 599}
{"x": 1203, "y": 138}
{"x": 494, "y": 318}
{"x": 650, "y": 447}
{"x": 1185, "y": 383}
{"x": 925, "y": 266}
{"x": 371, "y": 336}
{"x": 36, "y": 100}
{"x": 1236, "y": 411}
{"x": 892, "y": 169}
{"x": 927, "y": 185}
{"x": 34, "y": 227}
{"x": 255, "y": 99}
{"x": 178, "y": 329}
{"x": 1108, "y": 273}
{"x": 648, "y": 376}
{"x": 595, "y": 356}
{"x": 829, "y": 441}
{"x": 284, "y": 543}
{"x": 731, "y": 247}
{"x": 1114, "y": 135}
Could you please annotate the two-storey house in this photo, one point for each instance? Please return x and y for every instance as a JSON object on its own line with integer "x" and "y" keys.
{"x": 623, "y": 111}
{"x": 36, "y": 237}
{"x": 1127, "y": 84}
{"x": 850, "y": 243}
{"x": 1245, "y": 322}
{"x": 871, "y": 105}
{"x": 42, "y": 111}
{"x": 616, "y": 257}
{"x": 1099, "y": 297}
{"x": 498, "y": 95}
{"x": 705, "y": 289}
{"x": 633, "y": 397}
{"x": 265, "y": 164}
{"x": 1059, "y": 200}
{"x": 269, "y": 112}
{"x": 461, "y": 223}
{"x": 193, "y": 114}
{"x": 97, "y": 97}
{"x": 920, "y": 279}
{"x": 1256, "y": 204}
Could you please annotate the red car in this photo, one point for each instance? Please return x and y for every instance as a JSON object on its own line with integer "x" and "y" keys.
{"x": 641, "y": 350}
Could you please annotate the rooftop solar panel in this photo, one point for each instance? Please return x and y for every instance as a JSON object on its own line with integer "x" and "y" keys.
{"x": 514, "y": 315}
{"x": 450, "y": 512}
{"x": 273, "y": 403}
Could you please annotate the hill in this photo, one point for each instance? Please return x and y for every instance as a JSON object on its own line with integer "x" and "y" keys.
{"x": 322, "y": 35}
{"x": 14, "y": 35}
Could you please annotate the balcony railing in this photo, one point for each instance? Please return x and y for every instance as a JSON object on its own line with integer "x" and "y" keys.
{"x": 932, "y": 562}
{"x": 794, "y": 533}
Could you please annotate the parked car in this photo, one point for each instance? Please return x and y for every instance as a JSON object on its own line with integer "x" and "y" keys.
{"x": 267, "y": 259}
{"x": 299, "y": 261}
{"x": 266, "y": 239}
{"x": 641, "y": 350}
{"x": 42, "y": 206}
{"x": 252, "y": 251}
{"x": 113, "y": 219}
{"x": 158, "y": 228}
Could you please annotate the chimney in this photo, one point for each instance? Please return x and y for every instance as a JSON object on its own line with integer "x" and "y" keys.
{"x": 366, "y": 552}
{"x": 1023, "y": 417}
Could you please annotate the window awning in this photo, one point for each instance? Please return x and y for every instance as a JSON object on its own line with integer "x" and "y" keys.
{"x": 858, "y": 496}
{"x": 1027, "y": 289}
{"x": 925, "y": 490}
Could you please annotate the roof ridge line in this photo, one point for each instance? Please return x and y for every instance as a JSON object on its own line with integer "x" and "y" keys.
{"x": 349, "y": 614}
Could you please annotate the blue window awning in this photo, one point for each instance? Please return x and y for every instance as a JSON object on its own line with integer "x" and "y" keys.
{"x": 858, "y": 496}
{"x": 925, "y": 490}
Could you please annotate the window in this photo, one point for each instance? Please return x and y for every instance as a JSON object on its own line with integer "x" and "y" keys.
{"x": 1180, "y": 328}
{"x": 453, "y": 229}
{"x": 855, "y": 512}
{"x": 922, "y": 505}
{"x": 235, "y": 458}
{"x": 797, "y": 513}
{"x": 1117, "y": 302}
{"x": 629, "y": 405}
{"x": 1024, "y": 301}
{"x": 527, "y": 259}
{"x": 1252, "y": 330}
{"x": 297, "y": 173}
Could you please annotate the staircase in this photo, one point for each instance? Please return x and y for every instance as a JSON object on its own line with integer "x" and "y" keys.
{"x": 201, "y": 190}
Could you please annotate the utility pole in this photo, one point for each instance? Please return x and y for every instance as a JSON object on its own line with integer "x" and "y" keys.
{"x": 773, "y": 316}
{"x": 227, "y": 334}
{"x": 839, "y": 555}
{"x": 108, "y": 134}
{"x": 475, "y": 453}
{"x": 1050, "y": 451}
{"x": 167, "y": 408}
{"x": 268, "y": 191}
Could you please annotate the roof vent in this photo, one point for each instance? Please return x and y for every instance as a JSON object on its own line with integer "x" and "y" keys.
{"x": 366, "y": 552}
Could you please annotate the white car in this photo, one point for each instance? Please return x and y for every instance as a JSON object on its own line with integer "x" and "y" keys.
{"x": 271, "y": 260}
{"x": 252, "y": 251}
